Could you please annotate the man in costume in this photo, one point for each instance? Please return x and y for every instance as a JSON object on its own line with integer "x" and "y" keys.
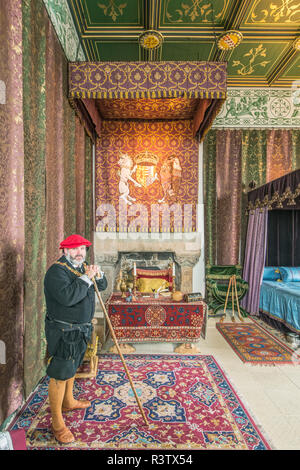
{"x": 70, "y": 301}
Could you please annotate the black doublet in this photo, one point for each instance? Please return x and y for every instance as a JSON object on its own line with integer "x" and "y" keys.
{"x": 70, "y": 303}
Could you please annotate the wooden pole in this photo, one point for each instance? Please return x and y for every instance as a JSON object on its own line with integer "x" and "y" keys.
{"x": 225, "y": 306}
{"x": 120, "y": 352}
{"x": 232, "y": 299}
{"x": 237, "y": 302}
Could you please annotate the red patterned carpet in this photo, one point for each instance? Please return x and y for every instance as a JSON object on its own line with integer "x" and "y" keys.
{"x": 189, "y": 403}
{"x": 255, "y": 345}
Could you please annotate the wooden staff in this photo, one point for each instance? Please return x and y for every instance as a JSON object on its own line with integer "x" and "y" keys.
{"x": 230, "y": 281}
{"x": 119, "y": 351}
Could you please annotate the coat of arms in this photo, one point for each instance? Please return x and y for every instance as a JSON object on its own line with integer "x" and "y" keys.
{"x": 146, "y": 173}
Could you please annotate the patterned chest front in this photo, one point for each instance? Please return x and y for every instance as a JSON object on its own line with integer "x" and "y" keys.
{"x": 149, "y": 319}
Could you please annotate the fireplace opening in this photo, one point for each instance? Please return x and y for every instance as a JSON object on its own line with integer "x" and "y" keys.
{"x": 148, "y": 260}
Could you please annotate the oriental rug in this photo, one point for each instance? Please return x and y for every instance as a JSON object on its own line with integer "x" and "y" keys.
{"x": 189, "y": 403}
{"x": 255, "y": 345}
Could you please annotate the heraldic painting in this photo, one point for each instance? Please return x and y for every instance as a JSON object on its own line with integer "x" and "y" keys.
{"x": 146, "y": 176}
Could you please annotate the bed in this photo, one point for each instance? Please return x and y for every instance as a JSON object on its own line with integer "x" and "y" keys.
{"x": 280, "y": 296}
{"x": 272, "y": 246}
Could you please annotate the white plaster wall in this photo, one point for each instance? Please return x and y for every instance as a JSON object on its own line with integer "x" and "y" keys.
{"x": 199, "y": 268}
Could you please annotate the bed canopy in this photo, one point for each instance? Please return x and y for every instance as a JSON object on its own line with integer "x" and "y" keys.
{"x": 199, "y": 86}
{"x": 282, "y": 193}
{"x": 149, "y": 116}
{"x": 282, "y": 198}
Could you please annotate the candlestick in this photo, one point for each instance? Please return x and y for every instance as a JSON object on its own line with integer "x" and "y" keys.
{"x": 123, "y": 288}
{"x": 173, "y": 277}
{"x": 134, "y": 278}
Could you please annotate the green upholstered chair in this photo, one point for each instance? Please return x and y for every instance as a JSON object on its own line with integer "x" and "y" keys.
{"x": 217, "y": 281}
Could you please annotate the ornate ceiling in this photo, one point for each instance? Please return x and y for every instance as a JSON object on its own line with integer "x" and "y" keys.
{"x": 176, "y": 108}
{"x": 267, "y": 56}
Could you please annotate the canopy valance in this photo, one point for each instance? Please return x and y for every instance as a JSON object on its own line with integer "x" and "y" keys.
{"x": 147, "y": 80}
{"x": 136, "y": 90}
{"x": 282, "y": 193}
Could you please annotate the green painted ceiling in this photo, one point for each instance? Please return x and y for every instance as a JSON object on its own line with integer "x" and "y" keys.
{"x": 109, "y": 31}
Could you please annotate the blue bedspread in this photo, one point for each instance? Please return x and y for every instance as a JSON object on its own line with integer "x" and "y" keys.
{"x": 281, "y": 300}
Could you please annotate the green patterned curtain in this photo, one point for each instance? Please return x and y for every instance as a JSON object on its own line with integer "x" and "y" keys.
{"x": 84, "y": 182}
{"x": 209, "y": 180}
{"x": 222, "y": 190}
{"x": 34, "y": 106}
{"x": 80, "y": 176}
{"x": 11, "y": 208}
{"x": 228, "y": 185}
{"x": 295, "y": 149}
{"x": 54, "y": 146}
{"x": 50, "y": 172}
{"x": 254, "y": 157}
{"x": 38, "y": 204}
{"x": 69, "y": 161}
{"x": 279, "y": 153}
{"x": 254, "y": 168}
{"x": 89, "y": 190}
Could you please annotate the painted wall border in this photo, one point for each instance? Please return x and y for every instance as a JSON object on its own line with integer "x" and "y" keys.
{"x": 260, "y": 108}
{"x": 63, "y": 23}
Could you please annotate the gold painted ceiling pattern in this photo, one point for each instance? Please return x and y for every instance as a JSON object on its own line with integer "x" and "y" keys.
{"x": 268, "y": 55}
{"x": 174, "y": 108}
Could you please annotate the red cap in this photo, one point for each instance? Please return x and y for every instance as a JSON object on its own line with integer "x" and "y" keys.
{"x": 73, "y": 241}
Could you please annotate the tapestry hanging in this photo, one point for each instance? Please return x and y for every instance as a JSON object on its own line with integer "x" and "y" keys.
{"x": 146, "y": 177}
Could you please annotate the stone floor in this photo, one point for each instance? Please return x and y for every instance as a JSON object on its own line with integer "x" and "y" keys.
{"x": 270, "y": 393}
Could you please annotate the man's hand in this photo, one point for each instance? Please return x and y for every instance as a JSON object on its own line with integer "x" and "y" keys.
{"x": 92, "y": 270}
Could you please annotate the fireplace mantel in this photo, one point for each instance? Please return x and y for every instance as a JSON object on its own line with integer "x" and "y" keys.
{"x": 185, "y": 248}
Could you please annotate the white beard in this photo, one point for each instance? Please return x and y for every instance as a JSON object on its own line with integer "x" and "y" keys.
{"x": 74, "y": 261}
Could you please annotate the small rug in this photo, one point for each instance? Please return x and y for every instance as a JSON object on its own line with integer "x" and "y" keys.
{"x": 253, "y": 344}
{"x": 188, "y": 401}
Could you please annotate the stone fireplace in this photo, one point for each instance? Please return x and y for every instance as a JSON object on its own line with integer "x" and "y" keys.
{"x": 116, "y": 251}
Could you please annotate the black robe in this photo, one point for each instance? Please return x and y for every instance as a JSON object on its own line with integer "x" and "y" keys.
{"x": 70, "y": 303}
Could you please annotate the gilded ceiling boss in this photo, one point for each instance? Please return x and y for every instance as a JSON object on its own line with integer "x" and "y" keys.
{"x": 70, "y": 302}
